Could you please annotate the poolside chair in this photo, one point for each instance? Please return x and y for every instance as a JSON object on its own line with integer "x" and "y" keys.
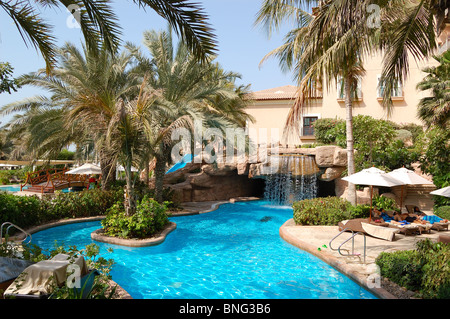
{"x": 437, "y": 223}
{"x": 406, "y": 228}
{"x": 37, "y": 280}
{"x": 365, "y": 226}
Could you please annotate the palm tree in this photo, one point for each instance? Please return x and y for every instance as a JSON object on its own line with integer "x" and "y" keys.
{"x": 332, "y": 43}
{"x": 435, "y": 109}
{"x": 99, "y": 23}
{"x": 326, "y": 49}
{"x": 408, "y": 28}
{"x": 85, "y": 91}
{"x": 186, "y": 91}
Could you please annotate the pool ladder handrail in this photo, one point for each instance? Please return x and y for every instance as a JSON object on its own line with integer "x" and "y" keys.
{"x": 27, "y": 235}
{"x": 353, "y": 243}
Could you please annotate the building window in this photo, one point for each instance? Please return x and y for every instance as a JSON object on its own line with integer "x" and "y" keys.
{"x": 397, "y": 91}
{"x": 356, "y": 96}
{"x": 308, "y": 128}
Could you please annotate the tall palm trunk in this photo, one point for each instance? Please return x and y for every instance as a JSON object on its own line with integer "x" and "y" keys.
{"x": 130, "y": 196}
{"x": 351, "y": 191}
{"x": 160, "y": 170}
{"x": 108, "y": 167}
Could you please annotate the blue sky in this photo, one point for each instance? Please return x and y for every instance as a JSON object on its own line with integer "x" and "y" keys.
{"x": 241, "y": 44}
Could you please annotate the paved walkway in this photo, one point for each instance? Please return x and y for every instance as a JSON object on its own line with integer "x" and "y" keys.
{"x": 313, "y": 238}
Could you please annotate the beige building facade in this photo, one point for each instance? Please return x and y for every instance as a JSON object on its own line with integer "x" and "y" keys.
{"x": 270, "y": 107}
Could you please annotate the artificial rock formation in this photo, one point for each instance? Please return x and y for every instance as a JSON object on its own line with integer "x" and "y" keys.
{"x": 199, "y": 182}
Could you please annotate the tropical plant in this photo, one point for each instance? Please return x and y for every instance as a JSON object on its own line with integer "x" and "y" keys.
{"x": 408, "y": 29}
{"x": 149, "y": 218}
{"x": 86, "y": 89}
{"x": 435, "y": 160}
{"x": 7, "y": 84}
{"x": 332, "y": 43}
{"x": 435, "y": 109}
{"x": 179, "y": 92}
{"x": 327, "y": 48}
{"x": 99, "y": 23}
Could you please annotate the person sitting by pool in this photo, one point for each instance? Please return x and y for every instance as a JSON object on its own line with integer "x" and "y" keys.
{"x": 92, "y": 182}
{"x": 386, "y": 217}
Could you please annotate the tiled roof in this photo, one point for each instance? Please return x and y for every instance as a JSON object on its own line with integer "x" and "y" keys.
{"x": 286, "y": 92}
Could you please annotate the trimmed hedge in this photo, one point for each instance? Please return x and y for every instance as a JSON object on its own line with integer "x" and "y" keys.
{"x": 443, "y": 212}
{"x": 327, "y": 211}
{"x": 32, "y": 211}
{"x": 425, "y": 270}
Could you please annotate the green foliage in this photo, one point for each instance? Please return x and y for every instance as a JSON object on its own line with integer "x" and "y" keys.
{"x": 426, "y": 269}
{"x": 434, "y": 109}
{"x": 401, "y": 267}
{"x": 6, "y": 175}
{"x": 326, "y": 211}
{"x": 443, "y": 212}
{"x": 22, "y": 211}
{"x": 325, "y": 130}
{"x": 7, "y": 83}
{"x": 385, "y": 203}
{"x": 30, "y": 211}
{"x": 378, "y": 142}
{"x": 150, "y": 218}
{"x": 66, "y": 155}
{"x": 436, "y": 160}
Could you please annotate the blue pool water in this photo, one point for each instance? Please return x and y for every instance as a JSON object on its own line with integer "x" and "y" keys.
{"x": 10, "y": 188}
{"x": 233, "y": 252}
{"x": 14, "y": 189}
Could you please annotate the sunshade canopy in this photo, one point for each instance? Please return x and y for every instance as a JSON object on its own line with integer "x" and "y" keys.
{"x": 86, "y": 169}
{"x": 374, "y": 177}
{"x": 409, "y": 177}
{"x": 442, "y": 192}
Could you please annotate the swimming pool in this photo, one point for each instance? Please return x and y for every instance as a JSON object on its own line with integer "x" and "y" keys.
{"x": 12, "y": 189}
{"x": 15, "y": 189}
{"x": 233, "y": 252}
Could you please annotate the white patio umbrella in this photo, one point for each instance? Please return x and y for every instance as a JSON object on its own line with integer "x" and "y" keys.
{"x": 408, "y": 177}
{"x": 373, "y": 177}
{"x": 442, "y": 191}
{"x": 86, "y": 169}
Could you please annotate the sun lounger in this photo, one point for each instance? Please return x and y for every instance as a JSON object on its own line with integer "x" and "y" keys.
{"x": 363, "y": 225}
{"x": 405, "y": 227}
{"x": 436, "y": 222}
{"x": 37, "y": 281}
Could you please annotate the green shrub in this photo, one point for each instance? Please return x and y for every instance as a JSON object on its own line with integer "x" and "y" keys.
{"x": 327, "y": 211}
{"x": 321, "y": 211}
{"x": 443, "y": 212}
{"x": 374, "y": 139}
{"x": 385, "y": 203}
{"x": 435, "y": 259}
{"x": 359, "y": 211}
{"x": 325, "y": 130}
{"x": 401, "y": 267}
{"x": 150, "y": 218}
{"x": 426, "y": 269}
{"x": 19, "y": 210}
{"x": 30, "y": 211}
{"x": 87, "y": 203}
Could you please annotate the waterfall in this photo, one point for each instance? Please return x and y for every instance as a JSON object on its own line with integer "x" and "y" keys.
{"x": 294, "y": 180}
